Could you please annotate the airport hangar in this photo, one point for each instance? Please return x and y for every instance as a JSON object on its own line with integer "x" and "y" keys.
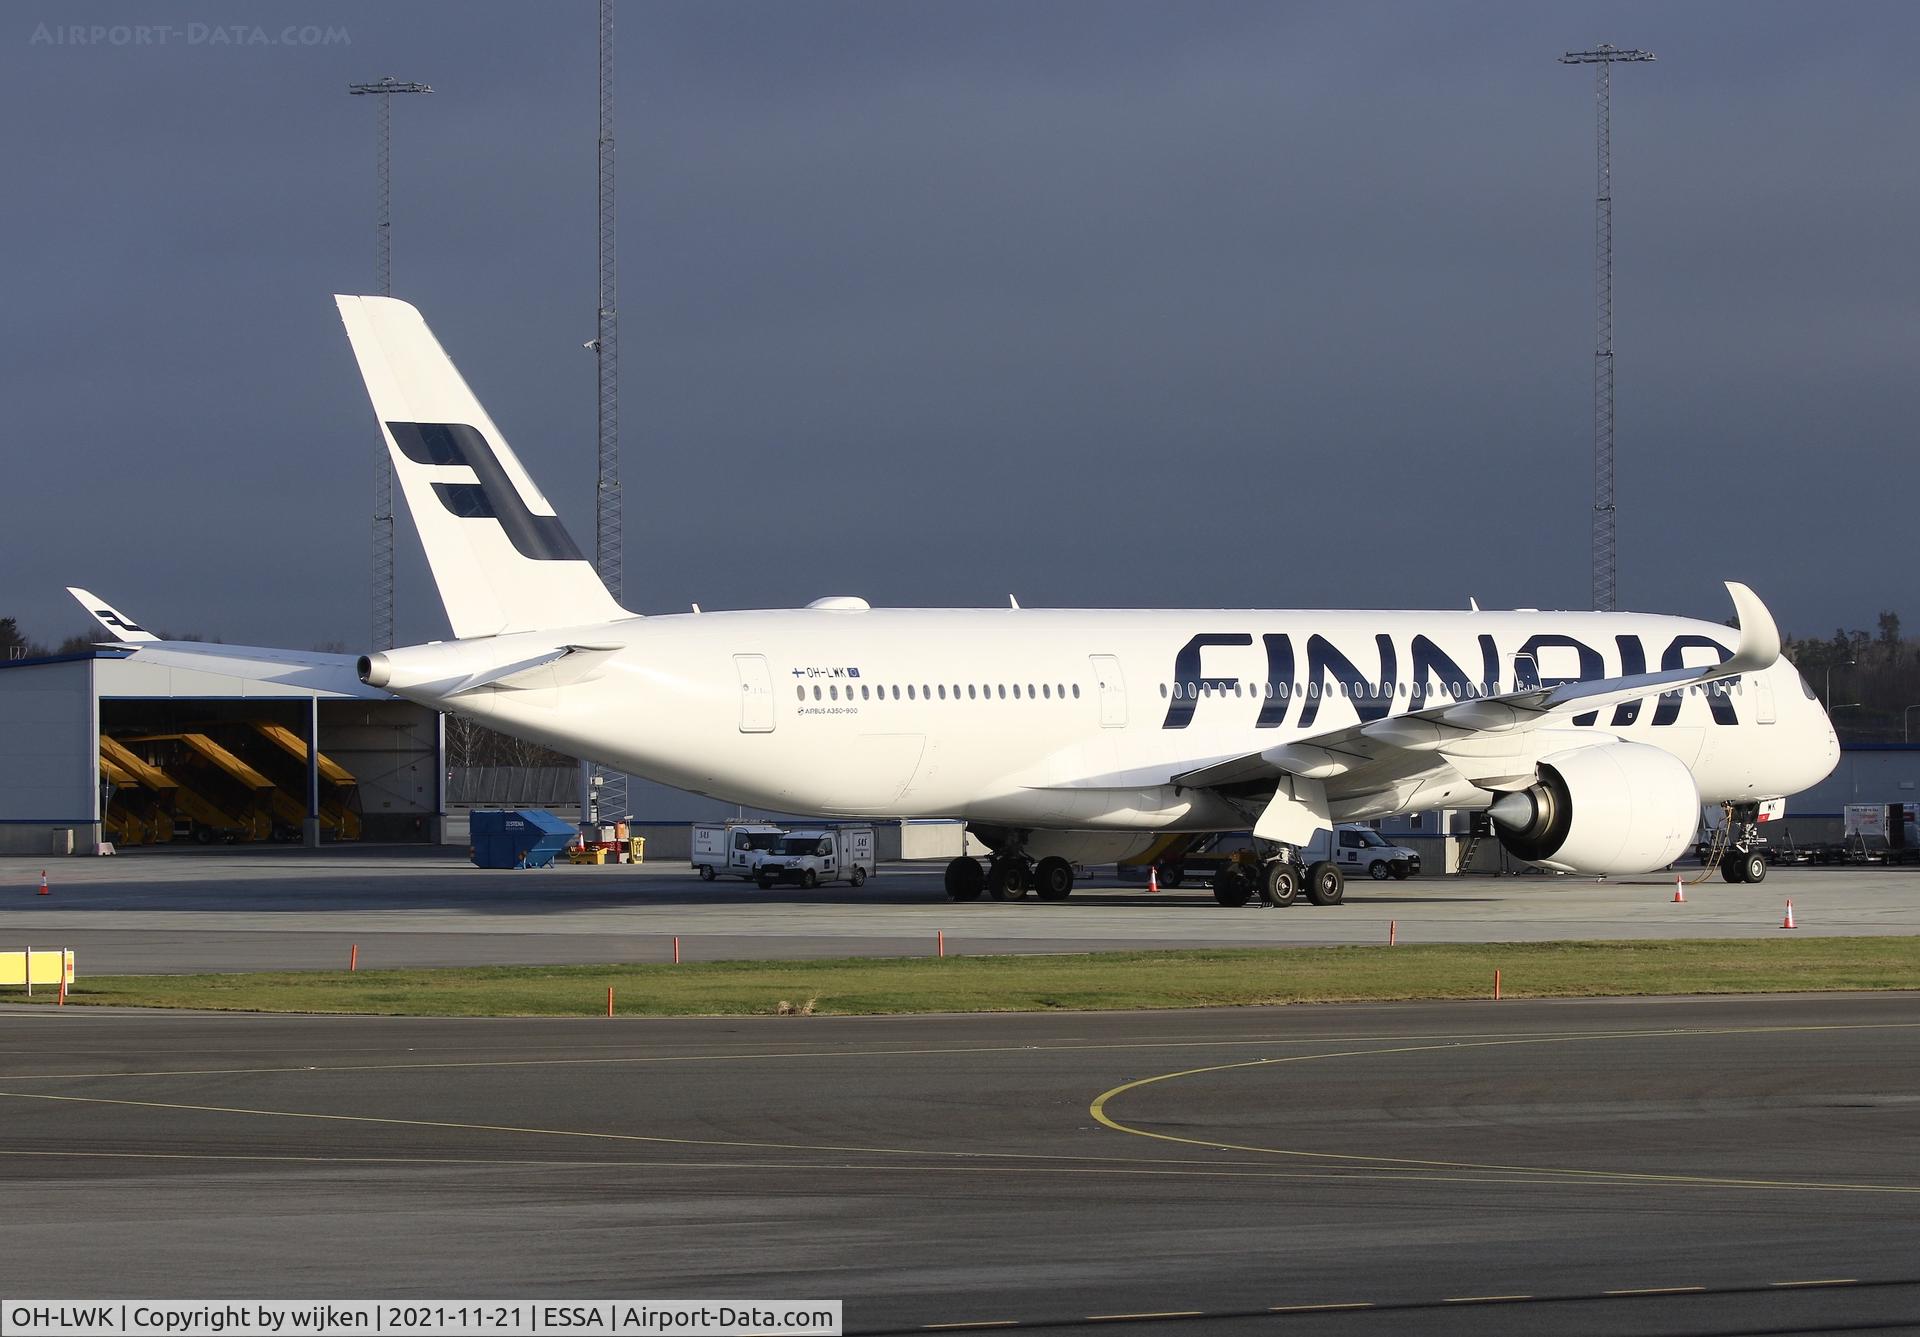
{"x": 146, "y": 745}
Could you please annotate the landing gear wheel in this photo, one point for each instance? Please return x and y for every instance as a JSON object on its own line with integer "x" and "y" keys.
{"x": 858, "y": 877}
{"x": 1326, "y": 885}
{"x": 809, "y": 879}
{"x": 1053, "y": 879}
{"x": 1733, "y": 866}
{"x": 964, "y": 879}
{"x": 1007, "y": 879}
{"x": 1172, "y": 875}
{"x": 1233, "y": 888}
{"x": 706, "y": 872}
{"x": 1753, "y": 867}
{"x": 1279, "y": 884}
{"x": 1378, "y": 870}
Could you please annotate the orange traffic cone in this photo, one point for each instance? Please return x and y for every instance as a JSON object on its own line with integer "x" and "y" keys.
{"x": 1679, "y": 892}
{"x": 43, "y": 883}
{"x": 1788, "y": 921}
{"x": 1153, "y": 880}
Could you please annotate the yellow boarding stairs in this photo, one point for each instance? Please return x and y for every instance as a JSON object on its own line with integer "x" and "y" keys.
{"x": 253, "y": 822}
{"x": 141, "y": 809}
{"x": 336, "y": 811}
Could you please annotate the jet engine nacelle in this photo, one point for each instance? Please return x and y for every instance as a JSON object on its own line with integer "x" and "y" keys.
{"x": 1609, "y": 808}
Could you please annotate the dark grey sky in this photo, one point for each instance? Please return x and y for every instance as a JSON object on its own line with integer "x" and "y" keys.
{"x": 1098, "y": 303}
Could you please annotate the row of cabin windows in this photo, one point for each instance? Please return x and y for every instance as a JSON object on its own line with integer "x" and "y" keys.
{"x": 1046, "y": 691}
{"x": 1281, "y": 691}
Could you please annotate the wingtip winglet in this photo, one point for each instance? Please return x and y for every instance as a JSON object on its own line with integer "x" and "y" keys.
{"x": 1759, "y": 635}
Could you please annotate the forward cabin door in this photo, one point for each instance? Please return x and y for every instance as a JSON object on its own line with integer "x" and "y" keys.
{"x": 756, "y": 693}
{"x": 1763, "y": 700}
{"x": 1112, "y": 689}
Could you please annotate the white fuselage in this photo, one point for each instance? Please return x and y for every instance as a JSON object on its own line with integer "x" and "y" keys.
{"x": 1078, "y": 719}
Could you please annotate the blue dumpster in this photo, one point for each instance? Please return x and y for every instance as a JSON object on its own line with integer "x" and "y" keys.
{"x": 527, "y": 838}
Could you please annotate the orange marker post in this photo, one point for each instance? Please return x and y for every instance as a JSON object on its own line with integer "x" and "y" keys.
{"x": 940, "y": 939}
{"x": 353, "y": 957}
{"x": 609, "y": 1000}
{"x": 676, "y": 949}
{"x": 1393, "y": 932}
{"x": 1496, "y": 986}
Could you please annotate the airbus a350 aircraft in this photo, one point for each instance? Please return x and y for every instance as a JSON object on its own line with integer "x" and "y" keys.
{"x": 1592, "y": 738}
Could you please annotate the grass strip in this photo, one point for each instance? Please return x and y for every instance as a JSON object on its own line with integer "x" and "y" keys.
{"x": 1090, "y": 981}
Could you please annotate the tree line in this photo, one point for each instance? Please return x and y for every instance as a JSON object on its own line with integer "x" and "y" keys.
{"x": 1867, "y": 679}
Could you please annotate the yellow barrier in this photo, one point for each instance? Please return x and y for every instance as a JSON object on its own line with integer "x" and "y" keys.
{"x": 50, "y": 966}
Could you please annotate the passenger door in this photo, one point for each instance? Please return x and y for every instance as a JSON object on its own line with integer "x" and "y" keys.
{"x": 1112, "y": 688}
{"x": 756, "y": 693}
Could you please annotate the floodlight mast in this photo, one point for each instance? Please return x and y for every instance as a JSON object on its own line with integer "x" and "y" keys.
{"x": 383, "y": 280}
{"x": 1603, "y": 58}
{"x": 608, "y": 557}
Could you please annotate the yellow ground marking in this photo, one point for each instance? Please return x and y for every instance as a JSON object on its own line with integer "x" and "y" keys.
{"x": 1098, "y": 1109}
{"x": 1481, "y": 1299}
{"x": 1169, "y": 1313}
{"x": 931, "y": 1051}
{"x": 1659, "y": 1290}
{"x": 1135, "y": 1169}
{"x": 1317, "y": 1309}
{"x": 981, "y": 1323}
{"x": 1823, "y": 1281}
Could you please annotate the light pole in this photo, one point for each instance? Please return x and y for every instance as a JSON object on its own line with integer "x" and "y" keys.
{"x": 383, "y": 92}
{"x": 1850, "y": 664}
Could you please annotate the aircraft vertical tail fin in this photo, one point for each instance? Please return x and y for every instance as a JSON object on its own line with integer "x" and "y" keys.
{"x": 502, "y": 560}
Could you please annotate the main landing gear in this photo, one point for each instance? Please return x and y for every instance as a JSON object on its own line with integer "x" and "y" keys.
{"x": 1009, "y": 877}
{"x": 1279, "y": 882}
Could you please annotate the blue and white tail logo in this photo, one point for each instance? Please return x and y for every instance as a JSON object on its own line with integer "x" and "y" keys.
{"x": 501, "y": 558}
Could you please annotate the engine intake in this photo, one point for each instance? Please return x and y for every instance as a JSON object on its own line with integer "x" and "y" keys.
{"x": 1605, "y": 809}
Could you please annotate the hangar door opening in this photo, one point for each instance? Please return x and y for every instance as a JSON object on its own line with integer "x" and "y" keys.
{"x": 236, "y": 771}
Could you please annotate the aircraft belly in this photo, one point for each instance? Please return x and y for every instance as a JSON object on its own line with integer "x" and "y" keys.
{"x": 870, "y": 773}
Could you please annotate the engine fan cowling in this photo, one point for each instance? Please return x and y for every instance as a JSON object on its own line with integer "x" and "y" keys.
{"x": 1605, "y": 809}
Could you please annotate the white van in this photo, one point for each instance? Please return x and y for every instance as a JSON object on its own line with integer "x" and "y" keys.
{"x": 1361, "y": 849}
{"x": 809, "y": 858}
{"x": 732, "y": 848}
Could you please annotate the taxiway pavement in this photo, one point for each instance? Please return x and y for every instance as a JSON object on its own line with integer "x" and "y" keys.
{"x": 1643, "y": 1165}
{"x": 243, "y": 910}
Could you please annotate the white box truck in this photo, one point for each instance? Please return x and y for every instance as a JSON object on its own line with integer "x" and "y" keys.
{"x": 810, "y": 857}
{"x": 732, "y": 848}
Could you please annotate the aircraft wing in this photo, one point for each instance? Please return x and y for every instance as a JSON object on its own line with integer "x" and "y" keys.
{"x": 1491, "y": 742}
{"x": 317, "y": 669}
